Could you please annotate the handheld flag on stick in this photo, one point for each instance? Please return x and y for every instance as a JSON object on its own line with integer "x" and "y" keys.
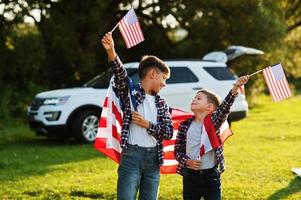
{"x": 276, "y": 81}
{"x": 130, "y": 29}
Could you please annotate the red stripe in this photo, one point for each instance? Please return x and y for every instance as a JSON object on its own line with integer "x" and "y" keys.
{"x": 168, "y": 169}
{"x": 102, "y": 122}
{"x": 105, "y": 104}
{"x": 169, "y": 142}
{"x": 117, "y": 113}
{"x": 169, "y": 155}
{"x": 202, "y": 150}
{"x": 115, "y": 133}
{"x": 111, "y": 153}
{"x": 211, "y": 132}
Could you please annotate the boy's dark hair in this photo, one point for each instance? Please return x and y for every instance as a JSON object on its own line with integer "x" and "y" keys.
{"x": 149, "y": 62}
{"x": 211, "y": 97}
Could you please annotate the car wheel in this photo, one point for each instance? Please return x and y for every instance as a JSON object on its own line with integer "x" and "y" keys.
{"x": 85, "y": 125}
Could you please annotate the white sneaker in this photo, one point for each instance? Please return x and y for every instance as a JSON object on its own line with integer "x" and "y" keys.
{"x": 297, "y": 171}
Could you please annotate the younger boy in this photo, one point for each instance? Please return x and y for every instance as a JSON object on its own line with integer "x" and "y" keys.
{"x": 201, "y": 174}
{"x": 143, "y": 131}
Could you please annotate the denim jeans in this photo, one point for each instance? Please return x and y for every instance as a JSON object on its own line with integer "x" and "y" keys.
{"x": 138, "y": 170}
{"x": 201, "y": 183}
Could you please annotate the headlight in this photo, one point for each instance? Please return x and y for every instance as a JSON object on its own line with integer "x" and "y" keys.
{"x": 55, "y": 101}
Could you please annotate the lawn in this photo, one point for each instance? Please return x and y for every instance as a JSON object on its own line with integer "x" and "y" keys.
{"x": 259, "y": 157}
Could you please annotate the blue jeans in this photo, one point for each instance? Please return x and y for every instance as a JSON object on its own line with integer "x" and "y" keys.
{"x": 138, "y": 170}
{"x": 201, "y": 183}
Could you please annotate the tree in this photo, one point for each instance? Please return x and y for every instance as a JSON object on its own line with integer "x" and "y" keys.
{"x": 68, "y": 33}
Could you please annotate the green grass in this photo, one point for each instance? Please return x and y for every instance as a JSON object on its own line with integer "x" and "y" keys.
{"x": 265, "y": 146}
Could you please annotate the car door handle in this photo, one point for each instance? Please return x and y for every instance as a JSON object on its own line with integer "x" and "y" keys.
{"x": 197, "y": 88}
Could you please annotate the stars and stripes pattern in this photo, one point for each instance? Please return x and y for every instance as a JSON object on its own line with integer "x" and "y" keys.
{"x": 109, "y": 132}
{"x": 130, "y": 29}
{"x": 276, "y": 81}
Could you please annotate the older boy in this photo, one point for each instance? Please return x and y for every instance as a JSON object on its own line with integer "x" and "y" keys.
{"x": 142, "y": 131}
{"x": 201, "y": 175}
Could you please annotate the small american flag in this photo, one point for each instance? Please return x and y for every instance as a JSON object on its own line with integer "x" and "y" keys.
{"x": 109, "y": 129}
{"x": 130, "y": 29}
{"x": 276, "y": 81}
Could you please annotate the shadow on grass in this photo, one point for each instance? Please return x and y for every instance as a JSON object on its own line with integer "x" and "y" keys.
{"x": 23, "y": 157}
{"x": 92, "y": 195}
{"x": 49, "y": 194}
{"x": 293, "y": 187}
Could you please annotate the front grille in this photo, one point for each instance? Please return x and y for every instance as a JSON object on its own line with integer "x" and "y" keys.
{"x": 36, "y": 104}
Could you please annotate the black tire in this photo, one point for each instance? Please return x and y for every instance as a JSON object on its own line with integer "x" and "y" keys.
{"x": 84, "y": 125}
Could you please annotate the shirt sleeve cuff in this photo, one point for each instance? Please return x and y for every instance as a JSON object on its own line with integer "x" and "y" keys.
{"x": 115, "y": 61}
{"x": 152, "y": 128}
{"x": 183, "y": 161}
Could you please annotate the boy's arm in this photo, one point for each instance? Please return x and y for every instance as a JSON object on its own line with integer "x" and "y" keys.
{"x": 180, "y": 146}
{"x": 121, "y": 80}
{"x": 222, "y": 111}
{"x": 163, "y": 130}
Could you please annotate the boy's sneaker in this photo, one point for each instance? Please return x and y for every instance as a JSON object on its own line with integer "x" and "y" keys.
{"x": 297, "y": 171}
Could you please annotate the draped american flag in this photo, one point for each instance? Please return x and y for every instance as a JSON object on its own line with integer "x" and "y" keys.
{"x": 109, "y": 129}
{"x": 276, "y": 81}
{"x": 130, "y": 29}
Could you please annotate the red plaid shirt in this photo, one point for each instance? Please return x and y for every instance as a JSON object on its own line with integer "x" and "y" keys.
{"x": 162, "y": 130}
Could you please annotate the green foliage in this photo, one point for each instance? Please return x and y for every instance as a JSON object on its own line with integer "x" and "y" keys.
{"x": 20, "y": 65}
{"x": 259, "y": 157}
{"x": 62, "y": 48}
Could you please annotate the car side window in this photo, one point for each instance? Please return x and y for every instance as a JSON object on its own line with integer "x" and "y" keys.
{"x": 135, "y": 77}
{"x": 133, "y": 74}
{"x": 181, "y": 75}
{"x": 220, "y": 73}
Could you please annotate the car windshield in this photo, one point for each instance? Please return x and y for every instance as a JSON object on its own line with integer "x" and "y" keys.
{"x": 103, "y": 79}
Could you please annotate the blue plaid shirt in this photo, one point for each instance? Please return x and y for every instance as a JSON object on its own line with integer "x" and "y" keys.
{"x": 217, "y": 118}
{"x": 162, "y": 130}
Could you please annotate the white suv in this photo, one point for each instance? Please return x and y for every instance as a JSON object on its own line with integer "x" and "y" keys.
{"x": 75, "y": 112}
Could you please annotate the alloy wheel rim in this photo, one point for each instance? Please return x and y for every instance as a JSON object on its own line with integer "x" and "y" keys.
{"x": 90, "y": 127}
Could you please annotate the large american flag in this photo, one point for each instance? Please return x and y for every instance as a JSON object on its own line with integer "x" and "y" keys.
{"x": 110, "y": 123}
{"x": 276, "y": 81}
{"x": 130, "y": 29}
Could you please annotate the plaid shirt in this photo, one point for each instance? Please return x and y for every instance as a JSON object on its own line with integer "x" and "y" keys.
{"x": 162, "y": 130}
{"x": 217, "y": 118}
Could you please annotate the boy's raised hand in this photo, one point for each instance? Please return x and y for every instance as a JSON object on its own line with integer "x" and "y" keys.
{"x": 239, "y": 82}
{"x": 108, "y": 43}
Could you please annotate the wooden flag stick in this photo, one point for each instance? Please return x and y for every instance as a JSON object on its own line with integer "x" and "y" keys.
{"x": 255, "y": 73}
{"x": 114, "y": 27}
